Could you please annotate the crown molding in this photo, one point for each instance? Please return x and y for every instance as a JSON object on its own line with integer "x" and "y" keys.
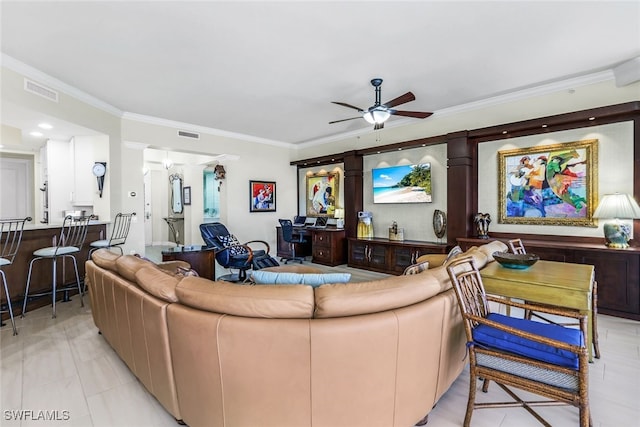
{"x": 526, "y": 93}
{"x": 141, "y": 118}
{"x": 530, "y": 92}
{"x": 45, "y": 79}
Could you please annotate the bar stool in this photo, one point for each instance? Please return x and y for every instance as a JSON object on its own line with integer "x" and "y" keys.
{"x": 72, "y": 236}
{"x": 119, "y": 233}
{"x": 10, "y": 238}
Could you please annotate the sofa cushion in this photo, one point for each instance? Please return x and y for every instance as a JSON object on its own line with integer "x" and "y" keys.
{"x": 277, "y": 301}
{"x": 261, "y": 277}
{"x": 127, "y": 265}
{"x": 352, "y": 299}
{"x": 104, "y": 258}
{"x": 491, "y": 247}
{"x": 157, "y": 283}
{"x": 416, "y": 268}
{"x": 456, "y": 250}
{"x": 230, "y": 241}
{"x": 495, "y": 338}
{"x": 294, "y": 268}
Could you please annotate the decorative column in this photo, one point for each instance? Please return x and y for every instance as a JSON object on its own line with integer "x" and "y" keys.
{"x": 462, "y": 185}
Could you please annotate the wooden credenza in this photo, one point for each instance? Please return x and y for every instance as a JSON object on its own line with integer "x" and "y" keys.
{"x": 617, "y": 270}
{"x": 389, "y": 256}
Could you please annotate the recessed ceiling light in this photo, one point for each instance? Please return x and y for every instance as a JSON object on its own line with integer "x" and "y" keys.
{"x": 544, "y": 126}
{"x": 592, "y": 118}
{"x": 504, "y": 132}
{"x": 46, "y": 126}
{"x": 35, "y": 133}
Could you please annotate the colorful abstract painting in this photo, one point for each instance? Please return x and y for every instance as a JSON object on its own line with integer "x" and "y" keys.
{"x": 552, "y": 185}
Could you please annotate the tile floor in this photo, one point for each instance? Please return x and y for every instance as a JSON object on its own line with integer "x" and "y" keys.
{"x": 64, "y": 365}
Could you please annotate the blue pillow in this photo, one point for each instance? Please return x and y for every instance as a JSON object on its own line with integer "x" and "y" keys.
{"x": 501, "y": 340}
{"x": 313, "y": 279}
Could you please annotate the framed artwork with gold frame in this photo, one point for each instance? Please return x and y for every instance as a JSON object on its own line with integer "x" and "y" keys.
{"x": 322, "y": 194}
{"x": 549, "y": 185}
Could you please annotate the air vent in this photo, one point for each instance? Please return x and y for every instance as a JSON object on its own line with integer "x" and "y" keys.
{"x": 185, "y": 134}
{"x": 38, "y": 89}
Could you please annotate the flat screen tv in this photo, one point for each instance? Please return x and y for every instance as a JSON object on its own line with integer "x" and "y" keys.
{"x": 402, "y": 184}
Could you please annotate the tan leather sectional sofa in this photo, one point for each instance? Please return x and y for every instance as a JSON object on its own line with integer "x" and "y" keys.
{"x": 377, "y": 353}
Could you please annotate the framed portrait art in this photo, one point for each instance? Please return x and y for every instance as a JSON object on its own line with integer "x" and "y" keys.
{"x": 262, "y": 196}
{"x": 549, "y": 185}
{"x": 322, "y": 194}
{"x": 186, "y": 195}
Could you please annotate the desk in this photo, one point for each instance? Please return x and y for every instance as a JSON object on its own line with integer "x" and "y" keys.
{"x": 326, "y": 245}
{"x": 201, "y": 258}
{"x": 546, "y": 282}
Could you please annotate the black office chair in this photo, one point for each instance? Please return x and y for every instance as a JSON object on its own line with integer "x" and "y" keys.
{"x": 232, "y": 254}
{"x": 287, "y": 235}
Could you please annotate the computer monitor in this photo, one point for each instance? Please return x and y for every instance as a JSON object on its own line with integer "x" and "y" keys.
{"x": 321, "y": 222}
{"x": 299, "y": 221}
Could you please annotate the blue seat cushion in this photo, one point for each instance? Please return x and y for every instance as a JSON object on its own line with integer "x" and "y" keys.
{"x": 500, "y": 340}
{"x": 261, "y": 277}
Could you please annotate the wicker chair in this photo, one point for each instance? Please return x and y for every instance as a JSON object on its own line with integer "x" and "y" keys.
{"x": 540, "y": 358}
{"x": 517, "y": 247}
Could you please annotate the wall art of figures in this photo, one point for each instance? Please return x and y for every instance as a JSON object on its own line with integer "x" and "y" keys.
{"x": 322, "y": 194}
{"x": 549, "y": 185}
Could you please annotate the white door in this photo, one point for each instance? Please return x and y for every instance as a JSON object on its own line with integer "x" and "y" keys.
{"x": 148, "y": 221}
{"x": 16, "y": 187}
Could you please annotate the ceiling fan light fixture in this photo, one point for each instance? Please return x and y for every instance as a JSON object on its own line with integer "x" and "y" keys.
{"x": 376, "y": 116}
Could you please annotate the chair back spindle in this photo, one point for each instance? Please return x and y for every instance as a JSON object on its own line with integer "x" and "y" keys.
{"x": 10, "y": 237}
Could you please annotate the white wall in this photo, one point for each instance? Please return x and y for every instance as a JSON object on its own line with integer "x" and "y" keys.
{"x": 243, "y": 161}
{"x": 415, "y": 218}
{"x": 615, "y": 172}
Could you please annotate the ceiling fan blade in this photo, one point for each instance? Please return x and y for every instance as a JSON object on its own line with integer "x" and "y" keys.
{"x": 415, "y": 114}
{"x": 344, "y": 104}
{"x": 344, "y": 120}
{"x": 378, "y": 126}
{"x": 407, "y": 97}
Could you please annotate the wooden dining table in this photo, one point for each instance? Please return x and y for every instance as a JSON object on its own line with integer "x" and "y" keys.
{"x": 561, "y": 284}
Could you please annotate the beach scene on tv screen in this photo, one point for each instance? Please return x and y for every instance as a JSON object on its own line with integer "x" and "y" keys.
{"x": 402, "y": 184}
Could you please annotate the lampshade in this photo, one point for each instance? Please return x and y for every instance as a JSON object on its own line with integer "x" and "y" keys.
{"x": 376, "y": 116}
{"x": 618, "y": 205}
{"x": 339, "y": 215}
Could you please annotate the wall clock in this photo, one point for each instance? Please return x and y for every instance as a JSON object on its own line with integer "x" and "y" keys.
{"x": 99, "y": 170}
{"x": 439, "y": 223}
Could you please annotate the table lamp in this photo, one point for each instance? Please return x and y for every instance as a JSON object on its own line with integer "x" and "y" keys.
{"x": 339, "y": 216}
{"x": 617, "y": 206}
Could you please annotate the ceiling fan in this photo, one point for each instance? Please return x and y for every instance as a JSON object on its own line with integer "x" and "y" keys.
{"x": 378, "y": 113}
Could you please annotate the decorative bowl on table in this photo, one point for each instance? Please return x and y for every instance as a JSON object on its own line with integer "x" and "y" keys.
{"x": 517, "y": 261}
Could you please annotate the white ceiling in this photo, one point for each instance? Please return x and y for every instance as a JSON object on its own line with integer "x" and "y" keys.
{"x": 270, "y": 69}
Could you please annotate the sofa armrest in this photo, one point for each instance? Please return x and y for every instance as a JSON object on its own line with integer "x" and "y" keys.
{"x": 435, "y": 260}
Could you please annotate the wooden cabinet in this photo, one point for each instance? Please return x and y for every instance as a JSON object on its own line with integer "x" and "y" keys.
{"x": 389, "y": 256}
{"x": 368, "y": 255}
{"x": 201, "y": 259}
{"x": 328, "y": 246}
{"x": 617, "y": 270}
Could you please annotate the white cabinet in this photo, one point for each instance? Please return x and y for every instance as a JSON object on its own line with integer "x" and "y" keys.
{"x": 59, "y": 171}
{"x": 84, "y": 183}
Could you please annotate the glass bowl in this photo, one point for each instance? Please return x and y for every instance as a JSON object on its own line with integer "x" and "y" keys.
{"x": 517, "y": 261}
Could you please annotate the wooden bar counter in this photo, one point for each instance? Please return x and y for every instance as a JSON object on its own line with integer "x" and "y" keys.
{"x": 36, "y": 237}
